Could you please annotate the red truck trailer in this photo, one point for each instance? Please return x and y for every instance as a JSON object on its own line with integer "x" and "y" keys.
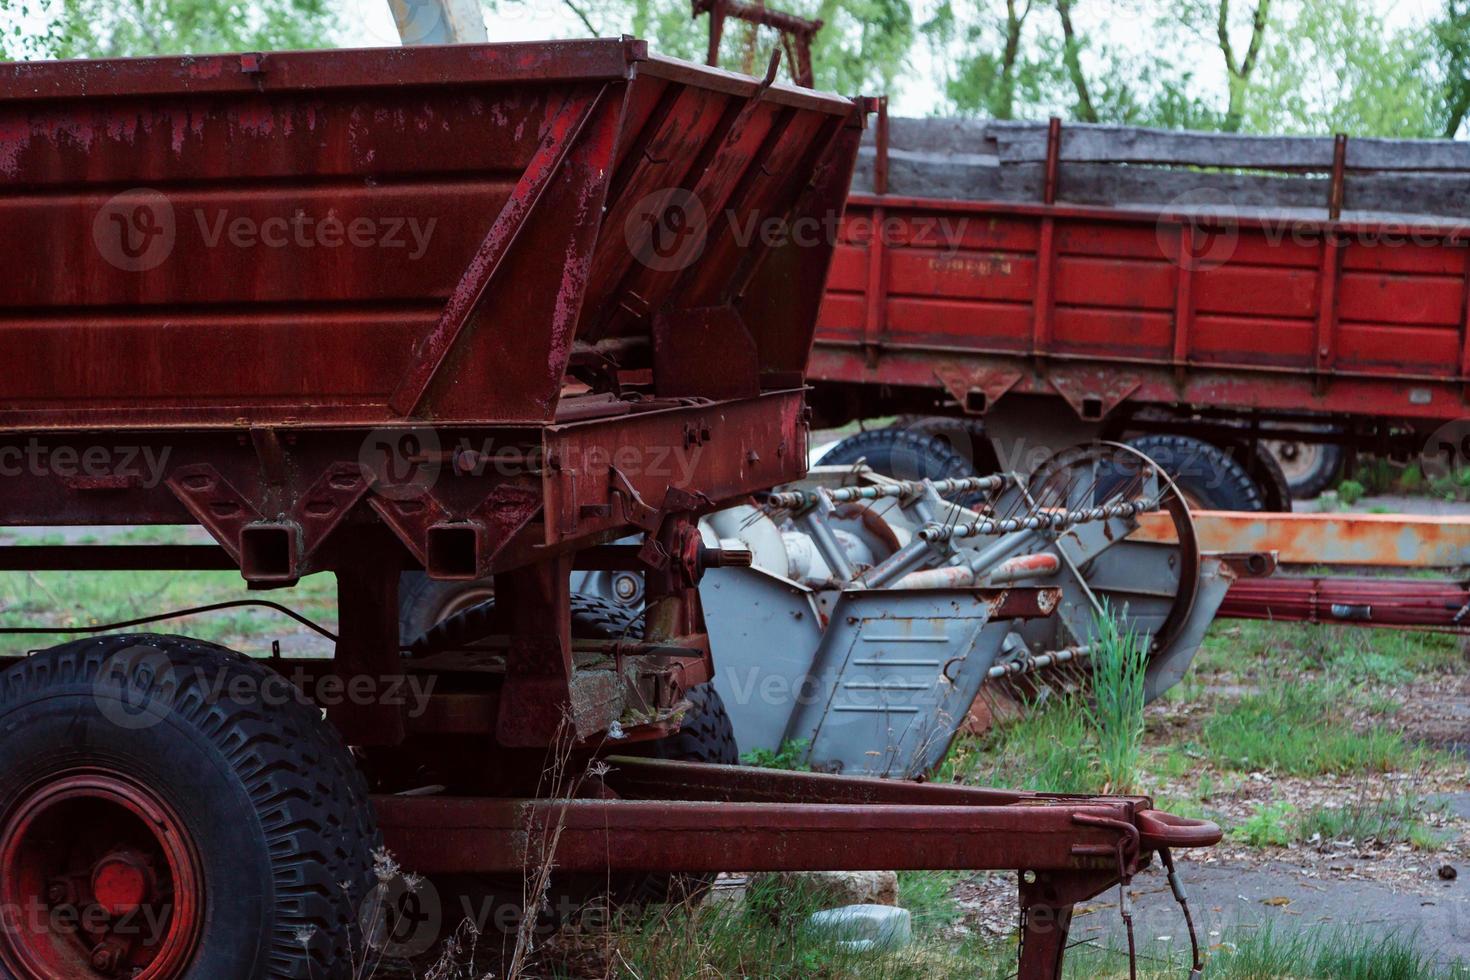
{"x": 377, "y": 311}
{"x": 1205, "y": 291}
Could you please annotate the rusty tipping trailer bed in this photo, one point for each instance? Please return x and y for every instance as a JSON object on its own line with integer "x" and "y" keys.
{"x": 363, "y": 312}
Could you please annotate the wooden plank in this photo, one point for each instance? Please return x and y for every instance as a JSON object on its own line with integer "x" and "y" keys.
{"x": 1025, "y": 142}
{"x": 1083, "y": 143}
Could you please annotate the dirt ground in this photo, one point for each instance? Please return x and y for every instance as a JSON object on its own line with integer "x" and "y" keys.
{"x": 1396, "y": 890}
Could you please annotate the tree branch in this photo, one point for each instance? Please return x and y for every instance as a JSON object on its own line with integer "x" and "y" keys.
{"x": 1070, "y": 55}
{"x": 582, "y": 17}
{"x": 1222, "y": 31}
{"x": 1258, "y": 34}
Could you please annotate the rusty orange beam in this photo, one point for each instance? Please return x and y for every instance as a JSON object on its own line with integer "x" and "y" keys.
{"x": 1387, "y": 540}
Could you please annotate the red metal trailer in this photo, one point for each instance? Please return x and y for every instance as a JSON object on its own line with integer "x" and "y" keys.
{"x": 1233, "y": 288}
{"x": 368, "y": 311}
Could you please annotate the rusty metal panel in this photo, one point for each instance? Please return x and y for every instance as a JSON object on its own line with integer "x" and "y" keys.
{"x": 1351, "y": 601}
{"x": 354, "y": 237}
{"x": 735, "y": 817}
{"x": 1318, "y": 316}
{"x": 1386, "y": 540}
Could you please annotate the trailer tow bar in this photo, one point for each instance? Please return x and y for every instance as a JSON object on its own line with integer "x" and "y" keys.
{"x": 664, "y": 816}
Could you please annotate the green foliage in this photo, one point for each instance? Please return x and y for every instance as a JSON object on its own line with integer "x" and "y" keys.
{"x": 1115, "y": 713}
{"x": 1382, "y": 820}
{"x": 790, "y": 756}
{"x": 101, "y": 29}
{"x": 1350, "y": 492}
{"x": 1454, "y": 485}
{"x": 860, "y": 49}
{"x": 1395, "y": 819}
{"x": 1049, "y": 749}
{"x": 1296, "y": 727}
{"x": 1342, "y": 954}
{"x": 1449, "y": 38}
{"x": 1268, "y": 826}
{"x": 764, "y": 937}
{"x": 1339, "y": 68}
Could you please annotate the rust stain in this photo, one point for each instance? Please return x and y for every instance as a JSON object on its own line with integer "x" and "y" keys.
{"x": 1389, "y": 540}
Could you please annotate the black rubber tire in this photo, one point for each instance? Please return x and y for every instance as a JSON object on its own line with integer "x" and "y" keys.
{"x": 271, "y": 797}
{"x": 1205, "y": 474}
{"x": 965, "y": 435}
{"x": 706, "y": 734}
{"x": 1321, "y": 477}
{"x": 593, "y": 618}
{"x": 1266, "y": 472}
{"x": 904, "y": 454}
{"x": 422, "y": 602}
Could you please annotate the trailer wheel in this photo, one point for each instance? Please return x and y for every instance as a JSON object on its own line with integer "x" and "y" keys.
{"x": 1266, "y": 471}
{"x": 424, "y": 602}
{"x": 965, "y": 436}
{"x": 907, "y": 454}
{"x": 1310, "y": 467}
{"x": 706, "y": 735}
{"x": 901, "y": 453}
{"x": 169, "y": 808}
{"x": 593, "y": 618}
{"x": 1208, "y": 476}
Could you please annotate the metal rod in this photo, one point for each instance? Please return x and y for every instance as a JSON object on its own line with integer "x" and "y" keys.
{"x": 1042, "y": 520}
{"x": 1041, "y": 661}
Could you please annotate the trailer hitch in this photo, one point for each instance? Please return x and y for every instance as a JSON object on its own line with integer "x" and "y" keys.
{"x": 1066, "y": 849}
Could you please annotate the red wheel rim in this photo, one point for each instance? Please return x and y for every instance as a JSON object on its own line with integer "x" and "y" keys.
{"x": 98, "y": 878}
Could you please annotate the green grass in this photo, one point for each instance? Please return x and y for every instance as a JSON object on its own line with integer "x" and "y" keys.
{"x": 61, "y": 599}
{"x": 1115, "y": 710}
{"x": 1388, "y": 657}
{"x": 1046, "y": 750}
{"x": 1298, "y": 729}
{"x": 1399, "y": 819}
{"x": 1271, "y": 825}
{"x": 790, "y": 756}
{"x": 1350, "y": 492}
{"x": 1330, "y": 954}
{"x": 764, "y": 938}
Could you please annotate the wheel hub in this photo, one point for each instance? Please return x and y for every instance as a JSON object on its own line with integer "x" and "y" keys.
{"x": 100, "y": 880}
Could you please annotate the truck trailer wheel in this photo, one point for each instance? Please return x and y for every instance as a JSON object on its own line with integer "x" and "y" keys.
{"x": 1310, "y": 467}
{"x": 706, "y": 735}
{"x": 170, "y": 809}
{"x": 423, "y": 602}
{"x": 1208, "y": 476}
{"x": 901, "y": 453}
{"x": 1270, "y": 480}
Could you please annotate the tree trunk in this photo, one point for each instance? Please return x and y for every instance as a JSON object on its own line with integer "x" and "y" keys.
{"x": 1238, "y": 74}
{"x": 1071, "y": 51}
